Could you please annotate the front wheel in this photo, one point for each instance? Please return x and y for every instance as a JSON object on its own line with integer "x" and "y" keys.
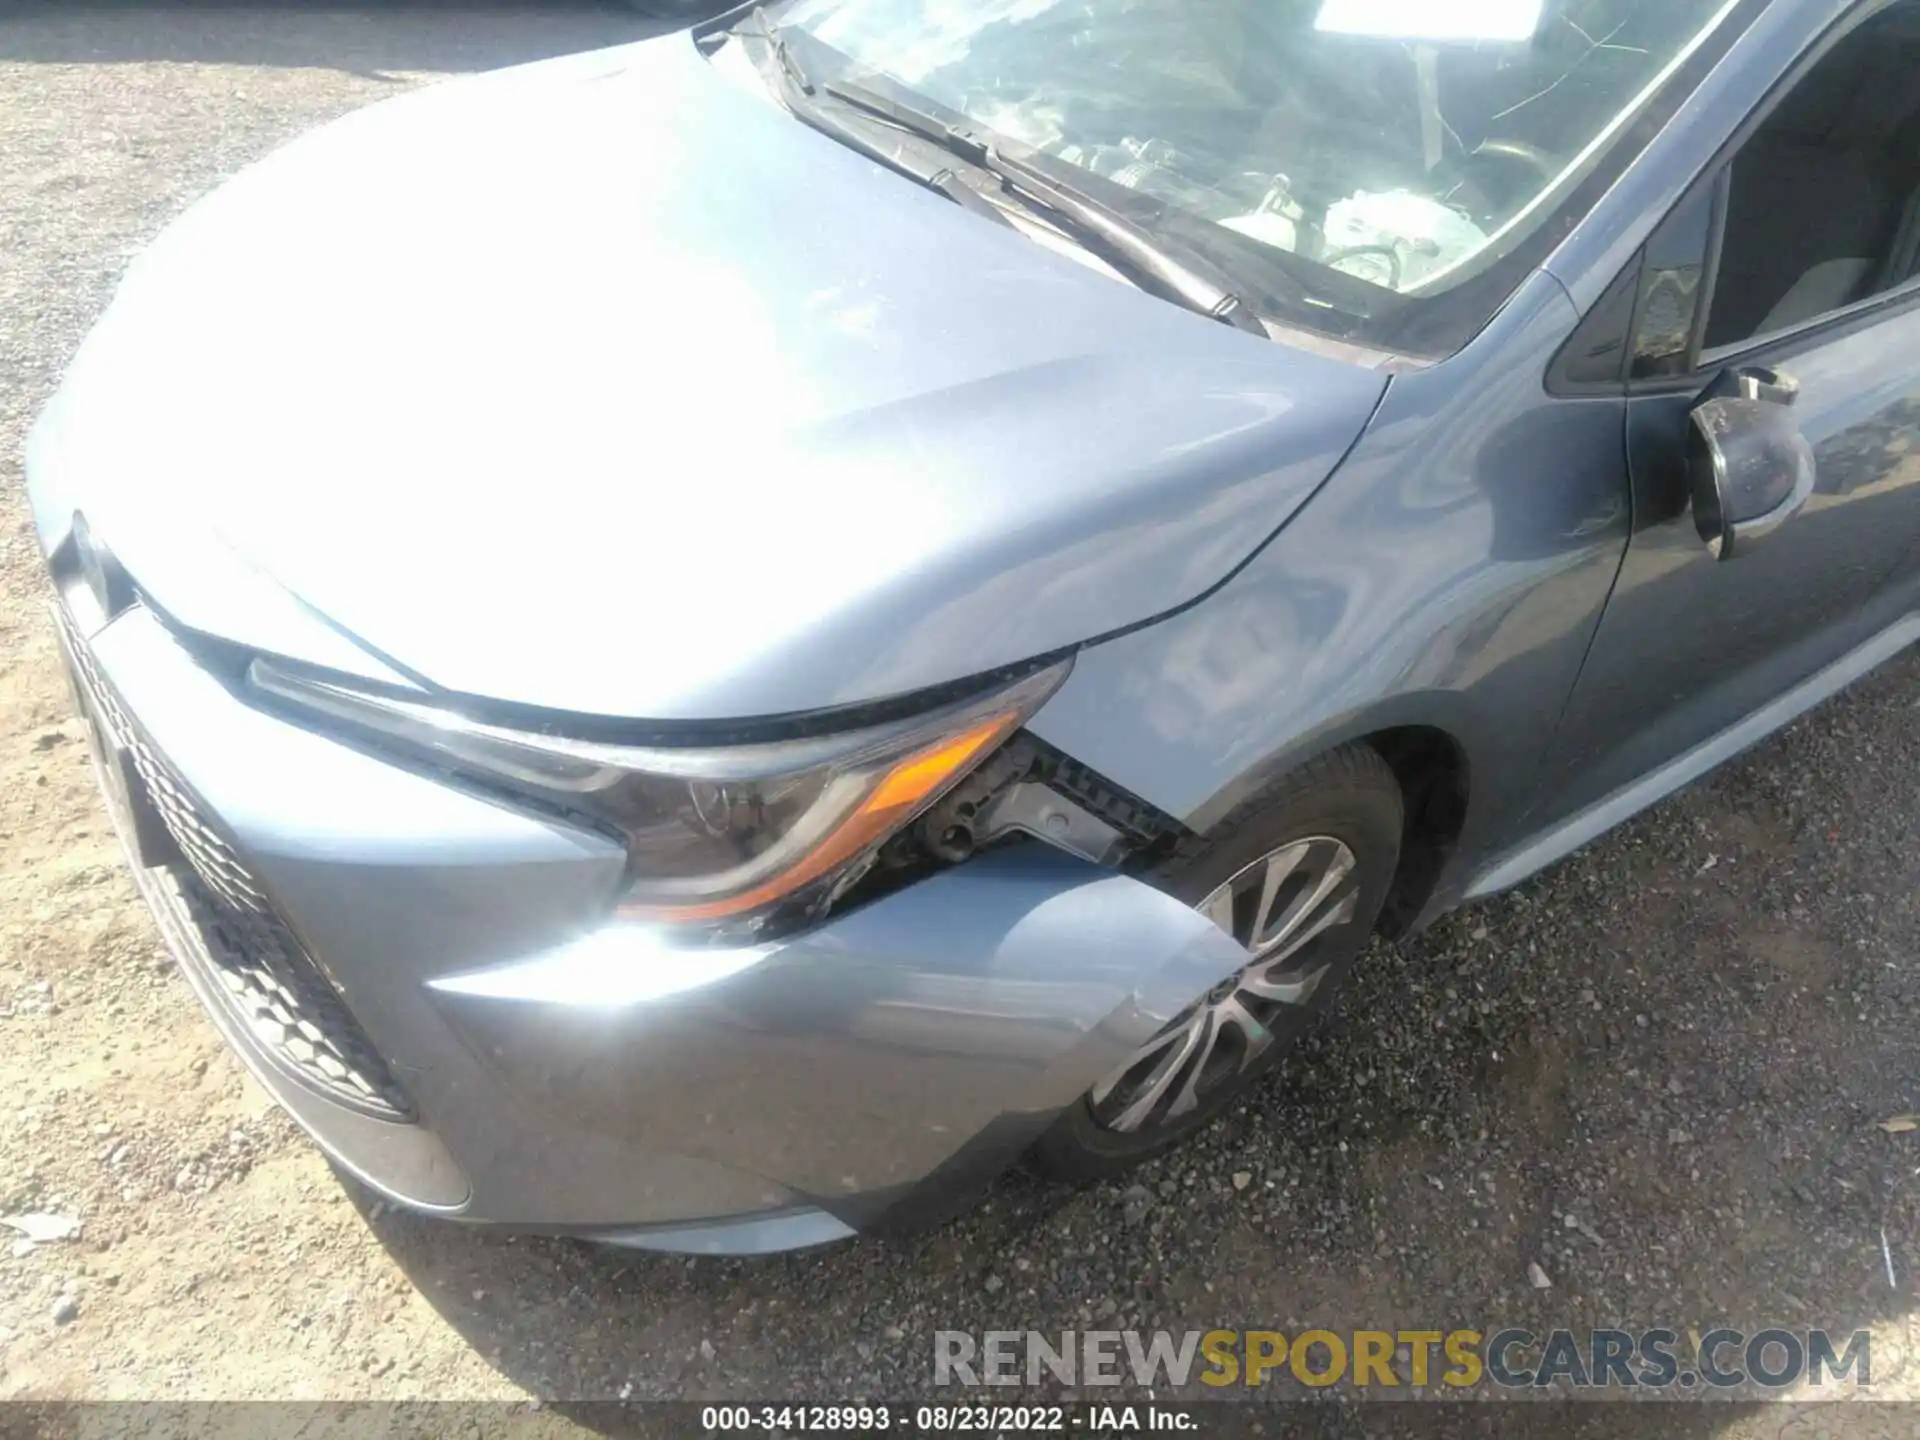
{"x": 1297, "y": 876}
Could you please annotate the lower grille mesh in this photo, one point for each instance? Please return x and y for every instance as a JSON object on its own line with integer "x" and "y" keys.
{"x": 260, "y": 969}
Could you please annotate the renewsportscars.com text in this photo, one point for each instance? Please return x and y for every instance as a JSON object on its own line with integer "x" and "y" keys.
{"x": 1459, "y": 1359}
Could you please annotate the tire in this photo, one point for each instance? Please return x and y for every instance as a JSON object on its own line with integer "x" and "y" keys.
{"x": 1347, "y": 797}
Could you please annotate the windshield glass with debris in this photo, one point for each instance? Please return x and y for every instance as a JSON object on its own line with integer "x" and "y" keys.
{"x": 1396, "y": 142}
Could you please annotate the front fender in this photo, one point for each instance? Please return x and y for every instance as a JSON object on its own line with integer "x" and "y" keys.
{"x": 1450, "y": 575}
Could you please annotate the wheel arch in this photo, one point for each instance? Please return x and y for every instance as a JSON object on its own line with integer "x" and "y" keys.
{"x": 1431, "y": 763}
{"x": 1435, "y": 782}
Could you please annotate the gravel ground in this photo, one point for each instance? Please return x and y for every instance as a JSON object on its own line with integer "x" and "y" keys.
{"x": 1655, "y": 1072}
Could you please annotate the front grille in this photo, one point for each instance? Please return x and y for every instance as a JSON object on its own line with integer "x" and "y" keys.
{"x": 259, "y": 968}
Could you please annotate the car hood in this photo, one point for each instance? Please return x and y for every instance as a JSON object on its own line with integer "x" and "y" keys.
{"x": 604, "y": 385}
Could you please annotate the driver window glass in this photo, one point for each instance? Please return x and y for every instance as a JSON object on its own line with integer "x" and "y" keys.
{"x": 1823, "y": 201}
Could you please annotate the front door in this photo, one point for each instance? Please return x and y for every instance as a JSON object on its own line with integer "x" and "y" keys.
{"x": 1798, "y": 255}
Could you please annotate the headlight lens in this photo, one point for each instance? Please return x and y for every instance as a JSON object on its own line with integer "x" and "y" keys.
{"x": 714, "y": 834}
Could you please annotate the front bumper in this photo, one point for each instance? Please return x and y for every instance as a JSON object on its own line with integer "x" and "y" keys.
{"x": 516, "y": 1057}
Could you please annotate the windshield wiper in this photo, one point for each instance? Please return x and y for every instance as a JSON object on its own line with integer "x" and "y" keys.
{"x": 1183, "y": 279}
{"x": 795, "y": 90}
{"x": 794, "y": 72}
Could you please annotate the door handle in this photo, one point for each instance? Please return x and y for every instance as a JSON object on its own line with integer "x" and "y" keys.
{"x": 1749, "y": 468}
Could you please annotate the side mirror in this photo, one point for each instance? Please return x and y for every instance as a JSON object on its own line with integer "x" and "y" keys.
{"x": 1749, "y": 467}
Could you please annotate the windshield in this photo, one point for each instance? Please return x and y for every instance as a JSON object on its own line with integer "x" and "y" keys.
{"x": 1394, "y": 148}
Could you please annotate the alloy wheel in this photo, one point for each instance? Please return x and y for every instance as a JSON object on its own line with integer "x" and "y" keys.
{"x": 1276, "y": 909}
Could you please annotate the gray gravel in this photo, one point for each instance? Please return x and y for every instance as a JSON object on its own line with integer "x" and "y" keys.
{"x": 1651, "y": 1076}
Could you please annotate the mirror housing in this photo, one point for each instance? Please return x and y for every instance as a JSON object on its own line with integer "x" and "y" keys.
{"x": 1748, "y": 466}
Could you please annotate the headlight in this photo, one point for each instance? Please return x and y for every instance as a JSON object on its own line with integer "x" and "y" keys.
{"x": 714, "y": 834}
